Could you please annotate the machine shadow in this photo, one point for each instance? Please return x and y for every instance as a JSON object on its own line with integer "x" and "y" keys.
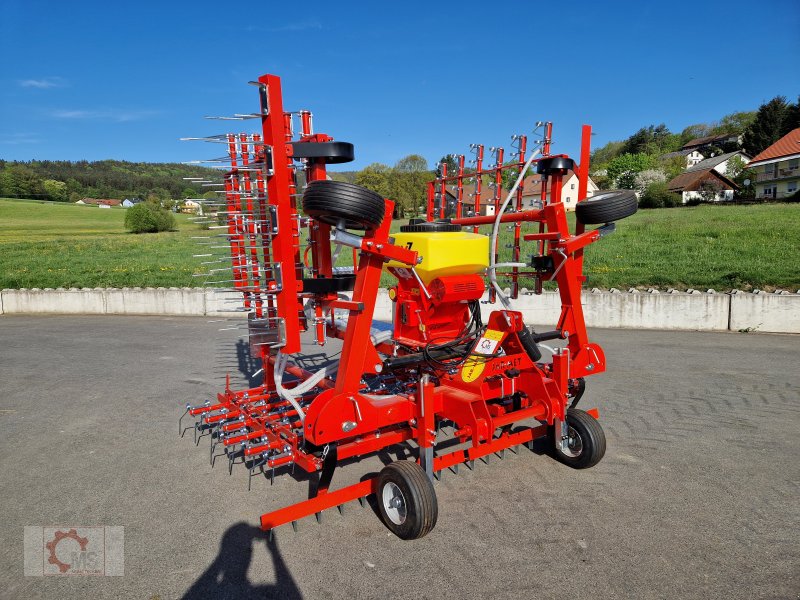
{"x": 250, "y": 366}
{"x": 226, "y": 576}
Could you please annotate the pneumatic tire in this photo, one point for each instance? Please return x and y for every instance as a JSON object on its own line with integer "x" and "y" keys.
{"x": 406, "y": 500}
{"x": 334, "y": 201}
{"x": 586, "y": 444}
{"x": 607, "y": 207}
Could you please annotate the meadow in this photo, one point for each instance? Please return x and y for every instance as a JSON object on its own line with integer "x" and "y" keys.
{"x": 44, "y": 244}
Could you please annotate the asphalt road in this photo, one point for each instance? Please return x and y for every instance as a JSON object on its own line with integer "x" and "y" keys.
{"x": 697, "y": 496}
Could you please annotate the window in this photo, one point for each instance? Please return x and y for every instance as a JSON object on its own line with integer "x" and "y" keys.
{"x": 793, "y": 164}
{"x": 791, "y": 187}
{"x": 572, "y": 186}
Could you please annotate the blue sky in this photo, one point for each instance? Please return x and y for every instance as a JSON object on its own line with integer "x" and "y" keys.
{"x": 125, "y": 80}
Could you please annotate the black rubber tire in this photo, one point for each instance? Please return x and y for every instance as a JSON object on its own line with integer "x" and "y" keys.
{"x": 330, "y": 152}
{"x": 592, "y": 439}
{"x": 422, "y": 509}
{"x": 421, "y": 226}
{"x": 556, "y": 163}
{"x": 606, "y": 207}
{"x": 324, "y": 285}
{"x": 331, "y": 201}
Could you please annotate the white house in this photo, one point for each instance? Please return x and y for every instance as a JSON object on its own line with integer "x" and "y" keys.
{"x": 720, "y": 162}
{"x": 691, "y": 155}
{"x": 531, "y": 194}
{"x": 706, "y": 184}
{"x": 778, "y": 168}
{"x": 192, "y": 206}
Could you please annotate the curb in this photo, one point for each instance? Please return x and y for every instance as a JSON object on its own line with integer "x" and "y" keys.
{"x": 777, "y": 312}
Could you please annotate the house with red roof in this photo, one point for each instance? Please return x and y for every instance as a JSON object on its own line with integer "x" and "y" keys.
{"x": 778, "y": 168}
{"x": 531, "y": 194}
{"x": 706, "y": 185}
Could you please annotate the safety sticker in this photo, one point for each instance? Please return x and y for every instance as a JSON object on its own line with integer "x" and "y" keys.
{"x": 488, "y": 342}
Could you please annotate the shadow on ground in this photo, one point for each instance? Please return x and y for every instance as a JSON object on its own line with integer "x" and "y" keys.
{"x": 226, "y": 577}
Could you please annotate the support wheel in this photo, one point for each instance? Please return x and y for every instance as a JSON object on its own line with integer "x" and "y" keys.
{"x": 406, "y": 500}
{"x": 334, "y": 201}
{"x": 606, "y": 207}
{"x": 586, "y": 444}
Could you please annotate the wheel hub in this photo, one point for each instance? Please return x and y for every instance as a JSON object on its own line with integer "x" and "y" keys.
{"x": 394, "y": 503}
{"x": 574, "y": 446}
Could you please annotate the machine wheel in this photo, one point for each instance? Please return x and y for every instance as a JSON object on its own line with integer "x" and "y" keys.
{"x": 606, "y": 207}
{"x": 333, "y": 201}
{"x": 587, "y": 442}
{"x": 406, "y": 500}
{"x": 422, "y": 226}
{"x": 546, "y": 166}
{"x": 330, "y": 152}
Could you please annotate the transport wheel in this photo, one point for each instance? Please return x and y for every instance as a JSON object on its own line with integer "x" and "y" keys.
{"x": 330, "y": 152}
{"x": 406, "y": 500}
{"x": 586, "y": 444}
{"x": 556, "y": 163}
{"x": 606, "y": 207}
{"x": 422, "y": 226}
{"x": 335, "y": 201}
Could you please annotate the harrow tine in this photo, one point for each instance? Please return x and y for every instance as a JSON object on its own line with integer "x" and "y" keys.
{"x": 294, "y": 526}
{"x": 454, "y": 469}
{"x": 270, "y": 534}
{"x": 319, "y": 517}
{"x": 470, "y": 465}
{"x": 340, "y": 508}
{"x": 361, "y": 501}
{"x": 186, "y": 412}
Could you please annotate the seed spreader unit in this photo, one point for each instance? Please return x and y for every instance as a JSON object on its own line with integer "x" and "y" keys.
{"x": 438, "y": 367}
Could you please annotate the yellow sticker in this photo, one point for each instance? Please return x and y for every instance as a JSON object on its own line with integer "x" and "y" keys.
{"x": 472, "y": 369}
{"x": 493, "y": 334}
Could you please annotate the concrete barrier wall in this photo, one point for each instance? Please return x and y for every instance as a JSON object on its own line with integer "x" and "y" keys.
{"x": 738, "y": 311}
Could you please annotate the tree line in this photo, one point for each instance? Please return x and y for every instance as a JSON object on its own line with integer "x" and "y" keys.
{"x": 69, "y": 181}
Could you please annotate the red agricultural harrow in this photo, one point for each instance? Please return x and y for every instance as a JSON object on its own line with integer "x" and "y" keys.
{"x": 439, "y": 364}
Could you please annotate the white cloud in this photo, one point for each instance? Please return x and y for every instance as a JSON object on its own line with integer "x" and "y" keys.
{"x": 19, "y": 138}
{"x": 105, "y": 114}
{"x": 43, "y": 84}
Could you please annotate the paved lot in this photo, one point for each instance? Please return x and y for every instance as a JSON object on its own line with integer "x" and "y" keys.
{"x": 696, "y": 497}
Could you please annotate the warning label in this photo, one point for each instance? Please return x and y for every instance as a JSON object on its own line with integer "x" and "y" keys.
{"x": 489, "y": 342}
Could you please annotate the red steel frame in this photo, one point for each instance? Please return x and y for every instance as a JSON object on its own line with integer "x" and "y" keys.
{"x": 483, "y": 397}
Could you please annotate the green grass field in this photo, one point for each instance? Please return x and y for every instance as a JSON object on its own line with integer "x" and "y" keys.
{"x": 46, "y": 244}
